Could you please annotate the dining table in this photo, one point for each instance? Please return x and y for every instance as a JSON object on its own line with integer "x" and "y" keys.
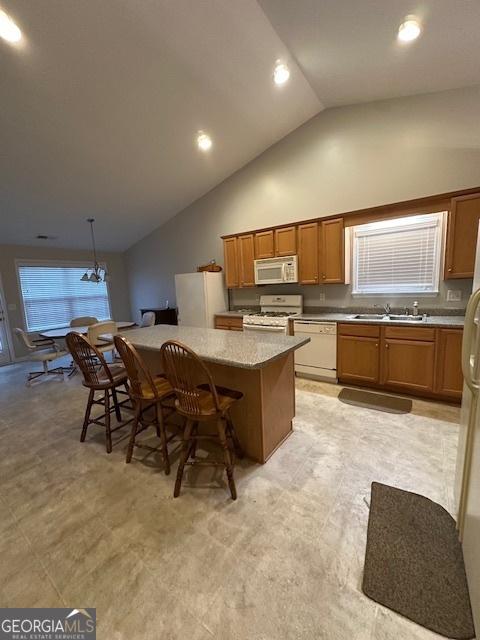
{"x": 62, "y": 332}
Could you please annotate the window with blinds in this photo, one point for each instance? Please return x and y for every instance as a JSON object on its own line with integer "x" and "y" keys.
{"x": 53, "y": 294}
{"x": 398, "y": 256}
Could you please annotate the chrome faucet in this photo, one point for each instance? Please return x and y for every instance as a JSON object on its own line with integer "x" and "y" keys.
{"x": 387, "y": 308}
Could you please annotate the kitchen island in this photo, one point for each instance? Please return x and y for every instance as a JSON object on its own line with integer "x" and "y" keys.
{"x": 261, "y": 366}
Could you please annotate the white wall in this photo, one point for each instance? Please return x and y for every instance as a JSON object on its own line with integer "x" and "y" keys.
{"x": 116, "y": 264}
{"x": 342, "y": 159}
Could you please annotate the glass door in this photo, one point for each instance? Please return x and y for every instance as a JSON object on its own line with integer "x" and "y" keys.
{"x": 5, "y": 356}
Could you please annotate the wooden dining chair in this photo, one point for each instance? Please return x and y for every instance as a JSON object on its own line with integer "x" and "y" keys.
{"x": 148, "y": 394}
{"x": 98, "y": 376}
{"x": 199, "y": 400}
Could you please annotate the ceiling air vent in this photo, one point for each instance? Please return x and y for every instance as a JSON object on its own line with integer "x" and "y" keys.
{"x": 42, "y": 236}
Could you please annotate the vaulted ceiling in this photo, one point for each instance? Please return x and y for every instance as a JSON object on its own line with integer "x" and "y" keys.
{"x": 102, "y": 100}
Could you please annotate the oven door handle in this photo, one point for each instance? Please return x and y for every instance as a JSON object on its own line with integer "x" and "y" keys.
{"x": 259, "y": 327}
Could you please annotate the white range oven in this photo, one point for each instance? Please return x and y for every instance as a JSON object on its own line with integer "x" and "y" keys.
{"x": 274, "y": 314}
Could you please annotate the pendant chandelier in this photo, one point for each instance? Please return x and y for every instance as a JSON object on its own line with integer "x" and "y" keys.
{"x": 96, "y": 273}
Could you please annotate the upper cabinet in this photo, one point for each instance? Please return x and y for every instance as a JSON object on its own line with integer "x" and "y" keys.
{"x": 246, "y": 256}
{"x": 264, "y": 245}
{"x": 332, "y": 251}
{"x": 286, "y": 241}
{"x": 230, "y": 253}
{"x": 462, "y": 233}
{"x": 308, "y": 253}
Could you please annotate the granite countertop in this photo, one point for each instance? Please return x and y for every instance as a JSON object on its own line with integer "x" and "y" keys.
{"x": 429, "y": 321}
{"x": 233, "y": 348}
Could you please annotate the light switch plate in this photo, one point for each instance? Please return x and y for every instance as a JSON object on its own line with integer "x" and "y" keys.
{"x": 454, "y": 295}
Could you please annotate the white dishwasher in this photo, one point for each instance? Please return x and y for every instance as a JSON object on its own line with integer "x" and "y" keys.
{"x": 318, "y": 358}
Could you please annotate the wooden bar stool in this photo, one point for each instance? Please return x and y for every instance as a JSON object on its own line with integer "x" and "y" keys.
{"x": 99, "y": 377}
{"x": 147, "y": 392}
{"x": 199, "y": 400}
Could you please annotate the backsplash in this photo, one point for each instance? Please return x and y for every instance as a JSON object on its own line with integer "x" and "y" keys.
{"x": 339, "y": 296}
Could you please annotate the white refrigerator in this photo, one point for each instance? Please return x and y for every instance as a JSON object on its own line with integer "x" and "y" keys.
{"x": 199, "y": 297}
{"x": 467, "y": 478}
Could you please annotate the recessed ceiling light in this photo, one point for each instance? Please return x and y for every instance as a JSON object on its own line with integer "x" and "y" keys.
{"x": 281, "y": 73}
{"x": 8, "y": 29}
{"x": 204, "y": 142}
{"x": 409, "y": 30}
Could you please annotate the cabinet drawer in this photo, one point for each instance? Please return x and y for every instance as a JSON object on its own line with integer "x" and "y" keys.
{"x": 410, "y": 333}
{"x": 229, "y": 322}
{"x": 363, "y": 330}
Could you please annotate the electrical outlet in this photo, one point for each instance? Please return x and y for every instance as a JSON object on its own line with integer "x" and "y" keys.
{"x": 453, "y": 295}
{"x": 321, "y": 296}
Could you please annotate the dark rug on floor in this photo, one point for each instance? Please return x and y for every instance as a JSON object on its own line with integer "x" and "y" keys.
{"x": 378, "y": 401}
{"x": 414, "y": 562}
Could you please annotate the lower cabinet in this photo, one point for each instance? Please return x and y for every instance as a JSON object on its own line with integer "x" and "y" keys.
{"x": 449, "y": 379}
{"x": 418, "y": 360}
{"x": 408, "y": 364}
{"x": 229, "y": 323}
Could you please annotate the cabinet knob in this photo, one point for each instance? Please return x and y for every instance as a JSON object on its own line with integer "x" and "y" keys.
{"x": 323, "y": 276}
{"x": 450, "y": 269}
{"x": 386, "y": 346}
{"x": 376, "y": 344}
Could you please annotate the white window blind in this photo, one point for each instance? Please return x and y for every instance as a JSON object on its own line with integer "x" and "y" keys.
{"x": 398, "y": 256}
{"x": 54, "y": 294}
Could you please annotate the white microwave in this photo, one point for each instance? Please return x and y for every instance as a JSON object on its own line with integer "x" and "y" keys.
{"x": 276, "y": 270}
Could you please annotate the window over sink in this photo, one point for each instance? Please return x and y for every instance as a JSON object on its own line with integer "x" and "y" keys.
{"x": 398, "y": 256}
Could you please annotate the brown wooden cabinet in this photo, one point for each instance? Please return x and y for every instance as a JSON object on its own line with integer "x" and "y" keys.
{"x": 449, "y": 377}
{"x": 308, "y": 253}
{"x": 332, "y": 251}
{"x": 286, "y": 241}
{"x": 230, "y": 252}
{"x": 229, "y": 323}
{"x": 408, "y": 364}
{"x": 420, "y": 360}
{"x": 246, "y": 256}
{"x": 358, "y": 359}
{"x": 462, "y": 231}
{"x": 264, "y": 245}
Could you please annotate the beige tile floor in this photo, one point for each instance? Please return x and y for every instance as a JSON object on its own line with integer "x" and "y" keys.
{"x": 80, "y": 528}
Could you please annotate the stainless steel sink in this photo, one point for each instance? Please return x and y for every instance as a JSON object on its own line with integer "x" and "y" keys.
{"x": 369, "y": 316}
{"x": 388, "y": 318}
{"x": 405, "y": 318}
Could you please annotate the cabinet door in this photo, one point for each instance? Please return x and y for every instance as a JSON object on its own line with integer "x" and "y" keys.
{"x": 264, "y": 245}
{"x": 286, "y": 241}
{"x": 230, "y": 252}
{"x": 358, "y": 359}
{"x": 462, "y": 231}
{"x": 449, "y": 377}
{"x": 332, "y": 251}
{"x": 408, "y": 364}
{"x": 308, "y": 253}
{"x": 245, "y": 261}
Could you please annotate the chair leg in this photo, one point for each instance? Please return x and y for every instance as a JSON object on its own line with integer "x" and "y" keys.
{"x": 233, "y": 434}
{"x": 86, "y": 420}
{"x": 184, "y": 457}
{"x": 108, "y": 433}
{"x": 133, "y": 432}
{"x": 118, "y": 415}
{"x": 227, "y": 456}
{"x": 160, "y": 425}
